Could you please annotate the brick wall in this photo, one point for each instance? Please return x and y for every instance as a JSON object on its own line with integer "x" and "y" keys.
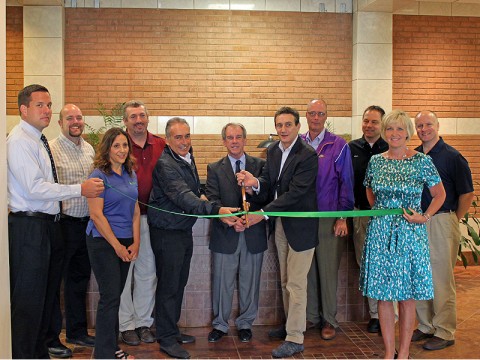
{"x": 204, "y": 62}
{"x": 14, "y": 55}
{"x": 436, "y": 64}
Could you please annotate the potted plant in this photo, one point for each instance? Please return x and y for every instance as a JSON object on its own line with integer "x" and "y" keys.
{"x": 112, "y": 117}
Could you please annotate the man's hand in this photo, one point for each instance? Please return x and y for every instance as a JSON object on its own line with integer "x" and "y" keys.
{"x": 254, "y": 219}
{"x": 229, "y": 220}
{"x": 239, "y": 225}
{"x": 340, "y": 228}
{"x": 203, "y": 197}
{"x": 247, "y": 179}
{"x": 93, "y": 187}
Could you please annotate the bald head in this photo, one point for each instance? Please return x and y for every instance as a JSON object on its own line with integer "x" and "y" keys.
{"x": 427, "y": 126}
{"x": 71, "y": 122}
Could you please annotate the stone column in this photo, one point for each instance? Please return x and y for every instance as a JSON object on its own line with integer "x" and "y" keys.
{"x": 372, "y": 64}
{"x": 43, "y": 38}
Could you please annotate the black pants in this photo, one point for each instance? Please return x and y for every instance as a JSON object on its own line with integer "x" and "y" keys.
{"x": 111, "y": 273}
{"x": 36, "y": 258}
{"x": 76, "y": 275}
{"x": 173, "y": 252}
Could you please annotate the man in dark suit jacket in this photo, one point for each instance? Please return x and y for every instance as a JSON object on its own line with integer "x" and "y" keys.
{"x": 288, "y": 182}
{"x": 234, "y": 249}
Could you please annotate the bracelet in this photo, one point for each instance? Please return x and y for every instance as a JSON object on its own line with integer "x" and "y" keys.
{"x": 427, "y": 216}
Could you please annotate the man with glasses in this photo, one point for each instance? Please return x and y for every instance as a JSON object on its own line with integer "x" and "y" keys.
{"x": 334, "y": 192}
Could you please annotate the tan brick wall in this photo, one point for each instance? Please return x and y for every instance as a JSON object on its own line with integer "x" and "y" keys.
{"x": 205, "y": 62}
{"x": 14, "y": 55}
{"x": 436, "y": 65}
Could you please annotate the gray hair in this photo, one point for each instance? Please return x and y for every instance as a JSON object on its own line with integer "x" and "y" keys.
{"x": 173, "y": 121}
{"x": 224, "y": 130}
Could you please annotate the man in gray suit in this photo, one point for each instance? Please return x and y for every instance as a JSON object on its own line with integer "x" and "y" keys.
{"x": 234, "y": 249}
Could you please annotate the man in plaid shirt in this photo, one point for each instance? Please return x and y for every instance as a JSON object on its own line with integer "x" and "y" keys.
{"x": 73, "y": 160}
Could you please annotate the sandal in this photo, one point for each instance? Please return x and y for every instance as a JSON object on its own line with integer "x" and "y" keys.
{"x": 120, "y": 354}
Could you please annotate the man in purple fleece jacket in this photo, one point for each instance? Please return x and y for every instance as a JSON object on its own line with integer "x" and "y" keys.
{"x": 334, "y": 192}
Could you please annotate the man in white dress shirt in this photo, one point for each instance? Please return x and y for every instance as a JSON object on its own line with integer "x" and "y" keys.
{"x": 35, "y": 245}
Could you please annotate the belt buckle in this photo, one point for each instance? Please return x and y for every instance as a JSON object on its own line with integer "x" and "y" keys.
{"x": 56, "y": 218}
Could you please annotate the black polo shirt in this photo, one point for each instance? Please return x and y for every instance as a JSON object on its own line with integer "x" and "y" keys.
{"x": 361, "y": 154}
{"x": 454, "y": 172}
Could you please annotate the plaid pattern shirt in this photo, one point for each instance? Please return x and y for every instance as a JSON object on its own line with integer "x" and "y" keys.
{"x": 74, "y": 164}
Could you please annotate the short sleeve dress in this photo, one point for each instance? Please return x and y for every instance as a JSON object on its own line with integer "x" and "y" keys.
{"x": 396, "y": 254}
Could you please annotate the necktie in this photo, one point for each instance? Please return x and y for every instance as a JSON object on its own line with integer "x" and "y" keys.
{"x": 237, "y": 170}
{"x": 54, "y": 169}
{"x": 47, "y": 147}
{"x": 237, "y": 166}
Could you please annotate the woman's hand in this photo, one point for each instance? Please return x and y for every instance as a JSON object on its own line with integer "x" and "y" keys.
{"x": 123, "y": 253}
{"x": 414, "y": 217}
{"x": 133, "y": 249}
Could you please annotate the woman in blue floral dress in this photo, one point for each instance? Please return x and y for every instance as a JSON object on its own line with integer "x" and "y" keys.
{"x": 396, "y": 257}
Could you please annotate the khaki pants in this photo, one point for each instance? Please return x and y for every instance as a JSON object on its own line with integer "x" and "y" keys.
{"x": 359, "y": 234}
{"x": 439, "y": 316}
{"x": 323, "y": 274}
{"x": 294, "y": 268}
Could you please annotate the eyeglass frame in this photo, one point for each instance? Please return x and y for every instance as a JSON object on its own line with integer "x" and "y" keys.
{"x": 314, "y": 113}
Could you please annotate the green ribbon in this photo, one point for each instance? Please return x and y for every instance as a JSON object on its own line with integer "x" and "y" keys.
{"x": 297, "y": 214}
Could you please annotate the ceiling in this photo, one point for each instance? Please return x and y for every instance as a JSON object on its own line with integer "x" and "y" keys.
{"x": 363, "y": 5}
{"x": 396, "y": 5}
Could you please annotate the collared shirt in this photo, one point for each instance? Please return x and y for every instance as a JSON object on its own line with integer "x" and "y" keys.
{"x": 29, "y": 174}
{"x": 118, "y": 206}
{"x": 233, "y": 162}
{"x": 74, "y": 164}
{"x": 454, "y": 172}
{"x": 315, "y": 142}
{"x": 285, "y": 153}
{"x": 145, "y": 160}
{"x": 362, "y": 151}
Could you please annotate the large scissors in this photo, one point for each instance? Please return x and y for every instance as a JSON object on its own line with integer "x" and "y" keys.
{"x": 246, "y": 204}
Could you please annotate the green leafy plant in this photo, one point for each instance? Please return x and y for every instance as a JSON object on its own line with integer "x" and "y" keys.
{"x": 471, "y": 243}
{"x": 112, "y": 117}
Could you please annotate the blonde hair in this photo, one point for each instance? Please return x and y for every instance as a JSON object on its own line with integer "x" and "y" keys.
{"x": 398, "y": 117}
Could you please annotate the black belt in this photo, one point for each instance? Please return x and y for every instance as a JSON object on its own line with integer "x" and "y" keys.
{"x": 444, "y": 211}
{"x": 73, "y": 218}
{"x": 36, "y": 214}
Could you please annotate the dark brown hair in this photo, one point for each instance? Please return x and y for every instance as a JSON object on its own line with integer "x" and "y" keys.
{"x": 102, "y": 157}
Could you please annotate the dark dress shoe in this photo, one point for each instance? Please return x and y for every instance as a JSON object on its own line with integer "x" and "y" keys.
{"x": 328, "y": 332}
{"x": 85, "y": 340}
{"x": 176, "y": 351}
{"x": 145, "y": 334}
{"x": 419, "y": 335}
{"x": 245, "y": 335}
{"x": 215, "y": 335}
{"x": 287, "y": 349}
{"x": 130, "y": 337}
{"x": 58, "y": 350}
{"x": 185, "y": 339}
{"x": 279, "y": 333}
{"x": 373, "y": 326}
{"x": 436, "y": 343}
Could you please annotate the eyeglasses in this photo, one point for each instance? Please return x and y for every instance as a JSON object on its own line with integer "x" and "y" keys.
{"x": 313, "y": 113}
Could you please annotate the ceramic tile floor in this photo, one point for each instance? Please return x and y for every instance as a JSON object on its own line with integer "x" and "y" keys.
{"x": 352, "y": 342}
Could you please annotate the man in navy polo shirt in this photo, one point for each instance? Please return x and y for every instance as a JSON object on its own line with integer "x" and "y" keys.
{"x": 437, "y": 318}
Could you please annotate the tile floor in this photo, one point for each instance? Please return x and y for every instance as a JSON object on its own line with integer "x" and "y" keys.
{"x": 352, "y": 342}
